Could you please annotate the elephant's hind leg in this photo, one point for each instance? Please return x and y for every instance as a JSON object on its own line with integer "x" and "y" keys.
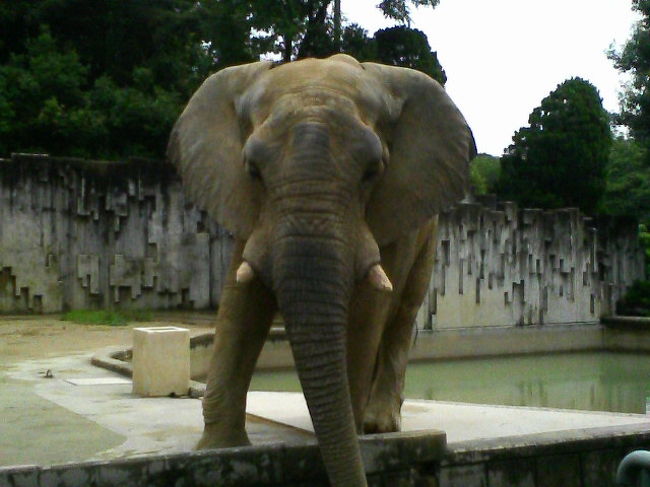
{"x": 383, "y": 411}
{"x": 243, "y": 321}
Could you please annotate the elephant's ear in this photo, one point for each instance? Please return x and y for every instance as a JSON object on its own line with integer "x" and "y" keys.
{"x": 429, "y": 145}
{"x": 206, "y": 147}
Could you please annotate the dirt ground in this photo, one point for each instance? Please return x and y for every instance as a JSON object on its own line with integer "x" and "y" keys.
{"x": 33, "y": 337}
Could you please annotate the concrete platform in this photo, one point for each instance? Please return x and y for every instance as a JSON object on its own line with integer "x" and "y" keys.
{"x": 461, "y": 422}
{"x": 86, "y": 413}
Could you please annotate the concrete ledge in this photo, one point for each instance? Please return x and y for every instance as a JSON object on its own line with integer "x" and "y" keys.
{"x": 634, "y": 322}
{"x": 392, "y": 455}
{"x": 555, "y": 442}
{"x": 437, "y": 345}
{"x": 118, "y": 359}
{"x": 573, "y": 458}
{"x": 504, "y": 341}
{"x": 443, "y": 344}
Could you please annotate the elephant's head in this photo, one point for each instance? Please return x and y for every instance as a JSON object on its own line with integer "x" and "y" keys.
{"x": 315, "y": 164}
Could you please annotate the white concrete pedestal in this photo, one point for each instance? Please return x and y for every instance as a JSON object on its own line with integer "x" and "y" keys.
{"x": 161, "y": 361}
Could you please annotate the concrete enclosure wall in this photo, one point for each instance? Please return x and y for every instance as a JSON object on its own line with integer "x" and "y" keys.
{"x": 82, "y": 234}
{"x": 88, "y": 234}
{"x": 498, "y": 265}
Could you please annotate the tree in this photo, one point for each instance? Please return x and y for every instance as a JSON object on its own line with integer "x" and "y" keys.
{"x": 297, "y": 29}
{"x": 107, "y": 78}
{"x": 397, "y": 46}
{"x": 634, "y": 59}
{"x": 47, "y": 105}
{"x": 627, "y": 191}
{"x": 484, "y": 173}
{"x": 41, "y": 98}
{"x": 293, "y": 28}
{"x": 112, "y": 38}
{"x": 399, "y": 10}
{"x": 559, "y": 160}
{"x": 356, "y": 42}
{"x": 92, "y": 79}
{"x": 409, "y": 48}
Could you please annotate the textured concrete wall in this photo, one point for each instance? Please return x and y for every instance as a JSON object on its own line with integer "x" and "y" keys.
{"x": 80, "y": 234}
{"x": 85, "y": 234}
{"x": 505, "y": 267}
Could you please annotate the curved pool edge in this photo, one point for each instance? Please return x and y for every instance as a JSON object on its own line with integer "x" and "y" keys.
{"x": 615, "y": 334}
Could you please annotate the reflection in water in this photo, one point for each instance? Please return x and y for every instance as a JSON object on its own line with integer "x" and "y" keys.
{"x": 590, "y": 381}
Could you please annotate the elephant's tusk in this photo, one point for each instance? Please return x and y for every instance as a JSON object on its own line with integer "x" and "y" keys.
{"x": 379, "y": 279}
{"x": 245, "y": 273}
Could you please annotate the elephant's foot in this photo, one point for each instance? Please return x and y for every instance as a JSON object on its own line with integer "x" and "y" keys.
{"x": 382, "y": 419}
{"x": 216, "y": 436}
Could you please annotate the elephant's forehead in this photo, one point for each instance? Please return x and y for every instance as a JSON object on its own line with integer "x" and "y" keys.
{"x": 315, "y": 82}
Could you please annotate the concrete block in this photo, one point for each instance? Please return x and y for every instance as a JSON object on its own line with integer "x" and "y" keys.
{"x": 161, "y": 361}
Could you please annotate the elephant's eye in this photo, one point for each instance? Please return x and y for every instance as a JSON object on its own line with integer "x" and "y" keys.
{"x": 371, "y": 173}
{"x": 253, "y": 171}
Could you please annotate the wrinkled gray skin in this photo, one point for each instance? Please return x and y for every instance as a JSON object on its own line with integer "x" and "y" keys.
{"x": 322, "y": 169}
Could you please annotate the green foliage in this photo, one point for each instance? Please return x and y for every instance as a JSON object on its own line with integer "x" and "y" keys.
{"x": 644, "y": 238}
{"x": 106, "y": 317}
{"x": 627, "y": 191}
{"x": 636, "y": 301}
{"x": 356, "y": 42}
{"x": 634, "y": 59}
{"x": 559, "y": 160}
{"x": 107, "y": 78}
{"x": 409, "y": 48}
{"x": 484, "y": 173}
{"x": 399, "y": 9}
{"x": 293, "y": 28}
{"x": 47, "y": 106}
{"x": 42, "y": 102}
{"x": 397, "y": 46}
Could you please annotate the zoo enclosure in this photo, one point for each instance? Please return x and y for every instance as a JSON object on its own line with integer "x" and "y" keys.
{"x": 92, "y": 234}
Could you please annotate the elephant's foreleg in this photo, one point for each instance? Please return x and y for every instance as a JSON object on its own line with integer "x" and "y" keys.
{"x": 383, "y": 411}
{"x": 243, "y": 321}
{"x": 368, "y": 311}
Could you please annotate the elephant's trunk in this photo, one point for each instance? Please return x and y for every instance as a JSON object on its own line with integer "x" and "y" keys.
{"x": 312, "y": 279}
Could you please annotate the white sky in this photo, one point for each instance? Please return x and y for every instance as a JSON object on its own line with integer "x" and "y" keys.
{"x": 503, "y": 56}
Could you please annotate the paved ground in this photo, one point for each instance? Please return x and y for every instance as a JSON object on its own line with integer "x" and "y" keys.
{"x": 84, "y": 412}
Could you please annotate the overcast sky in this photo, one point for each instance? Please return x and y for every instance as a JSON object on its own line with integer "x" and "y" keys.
{"x": 503, "y": 56}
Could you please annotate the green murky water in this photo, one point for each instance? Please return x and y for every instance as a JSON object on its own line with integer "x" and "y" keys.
{"x": 600, "y": 381}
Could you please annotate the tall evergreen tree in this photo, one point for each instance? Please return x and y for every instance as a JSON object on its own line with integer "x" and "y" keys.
{"x": 409, "y": 48}
{"x": 559, "y": 160}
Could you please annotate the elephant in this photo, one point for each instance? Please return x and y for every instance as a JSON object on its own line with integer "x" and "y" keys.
{"x": 330, "y": 174}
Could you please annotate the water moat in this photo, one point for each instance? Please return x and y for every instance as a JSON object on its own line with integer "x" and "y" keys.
{"x": 594, "y": 381}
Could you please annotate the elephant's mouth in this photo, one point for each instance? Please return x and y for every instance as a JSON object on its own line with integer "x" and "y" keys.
{"x": 367, "y": 262}
{"x": 375, "y": 275}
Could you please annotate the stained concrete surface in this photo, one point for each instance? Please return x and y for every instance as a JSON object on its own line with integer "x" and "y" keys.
{"x": 35, "y": 430}
{"x": 461, "y": 421}
{"x": 47, "y": 421}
